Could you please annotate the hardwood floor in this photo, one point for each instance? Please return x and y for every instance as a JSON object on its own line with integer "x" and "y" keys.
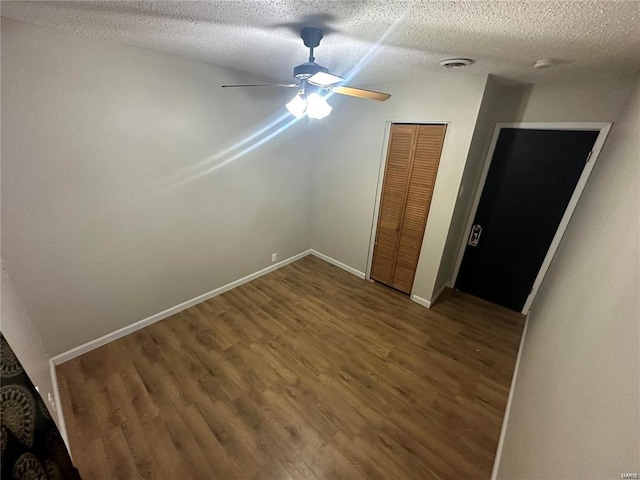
{"x": 305, "y": 373}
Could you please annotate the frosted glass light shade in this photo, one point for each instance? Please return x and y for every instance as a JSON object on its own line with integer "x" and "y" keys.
{"x": 317, "y": 107}
{"x": 297, "y": 106}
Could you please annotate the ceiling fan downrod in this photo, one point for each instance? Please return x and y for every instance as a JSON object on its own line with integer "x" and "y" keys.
{"x": 311, "y": 37}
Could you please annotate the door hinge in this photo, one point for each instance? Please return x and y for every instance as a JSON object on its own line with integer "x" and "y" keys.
{"x": 589, "y": 157}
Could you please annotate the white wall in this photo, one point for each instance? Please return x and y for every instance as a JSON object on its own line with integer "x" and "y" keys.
{"x": 346, "y": 165}
{"x": 24, "y": 339}
{"x": 575, "y": 412}
{"x": 100, "y": 229}
{"x": 97, "y": 229}
{"x": 575, "y": 100}
{"x": 556, "y": 100}
{"x": 498, "y": 105}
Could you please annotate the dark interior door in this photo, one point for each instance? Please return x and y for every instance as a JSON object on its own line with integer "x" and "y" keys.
{"x": 531, "y": 179}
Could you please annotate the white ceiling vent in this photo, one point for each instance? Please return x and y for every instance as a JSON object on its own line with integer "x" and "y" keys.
{"x": 456, "y": 62}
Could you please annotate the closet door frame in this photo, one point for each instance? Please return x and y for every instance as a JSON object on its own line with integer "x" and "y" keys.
{"x": 381, "y": 171}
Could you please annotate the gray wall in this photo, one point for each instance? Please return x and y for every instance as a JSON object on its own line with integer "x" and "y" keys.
{"x": 589, "y": 99}
{"x": 575, "y": 412}
{"x": 346, "y": 165}
{"x": 99, "y": 226}
{"x": 498, "y": 105}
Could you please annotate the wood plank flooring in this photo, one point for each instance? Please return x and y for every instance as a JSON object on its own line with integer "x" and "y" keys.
{"x": 305, "y": 373}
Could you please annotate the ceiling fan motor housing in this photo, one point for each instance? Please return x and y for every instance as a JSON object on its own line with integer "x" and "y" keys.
{"x": 311, "y": 36}
{"x": 306, "y": 70}
{"x": 322, "y": 83}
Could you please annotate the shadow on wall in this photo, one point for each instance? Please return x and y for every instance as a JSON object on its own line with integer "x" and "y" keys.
{"x": 512, "y": 101}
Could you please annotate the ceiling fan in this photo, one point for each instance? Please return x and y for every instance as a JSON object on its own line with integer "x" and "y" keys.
{"x": 315, "y": 82}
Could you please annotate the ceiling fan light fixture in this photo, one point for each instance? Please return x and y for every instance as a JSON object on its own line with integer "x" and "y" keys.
{"x": 315, "y": 84}
{"x": 317, "y": 106}
{"x": 297, "y": 106}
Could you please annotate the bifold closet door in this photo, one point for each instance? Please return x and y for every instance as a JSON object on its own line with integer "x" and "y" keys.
{"x": 412, "y": 164}
{"x": 394, "y": 188}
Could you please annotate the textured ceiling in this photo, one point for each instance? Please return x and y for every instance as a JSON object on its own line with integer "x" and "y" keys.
{"x": 381, "y": 41}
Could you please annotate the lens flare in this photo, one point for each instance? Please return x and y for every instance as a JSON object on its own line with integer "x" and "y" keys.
{"x": 316, "y": 107}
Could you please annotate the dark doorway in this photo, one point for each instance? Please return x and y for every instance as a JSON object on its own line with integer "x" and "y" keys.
{"x": 532, "y": 177}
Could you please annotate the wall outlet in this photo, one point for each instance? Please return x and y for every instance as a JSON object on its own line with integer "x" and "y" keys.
{"x": 274, "y": 257}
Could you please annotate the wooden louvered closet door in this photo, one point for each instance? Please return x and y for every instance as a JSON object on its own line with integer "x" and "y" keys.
{"x": 407, "y": 188}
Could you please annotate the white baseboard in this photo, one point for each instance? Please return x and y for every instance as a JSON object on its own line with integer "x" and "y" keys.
{"x": 338, "y": 264}
{"x": 421, "y": 301}
{"x": 110, "y": 337}
{"x": 58, "y": 404}
{"x": 507, "y": 411}
{"x": 427, "y": 303}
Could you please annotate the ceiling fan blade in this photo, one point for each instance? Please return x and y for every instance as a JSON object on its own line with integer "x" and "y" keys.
{"x": 361, "y": 93}
{"x": 324, "y": 79}
{"x": 285, "y": 85}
